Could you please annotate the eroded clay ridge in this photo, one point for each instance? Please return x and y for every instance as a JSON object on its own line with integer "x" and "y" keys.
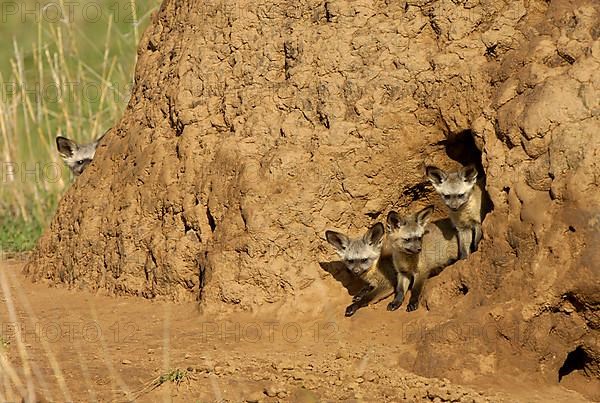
{"x": 253, "y": 128}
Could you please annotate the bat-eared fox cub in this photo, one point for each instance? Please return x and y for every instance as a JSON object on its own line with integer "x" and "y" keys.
{"x": 419, "y": 248}
{"x": 462, "y": 193}
{"x": 77, "y": 156}
{"x": 367, "y": 259}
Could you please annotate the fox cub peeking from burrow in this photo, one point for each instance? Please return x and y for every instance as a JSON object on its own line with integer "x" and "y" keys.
{"x": 462, "y": 193}
{"x": 77, "y": 156}
{"x": 419, "y": 249}
{"x": 367, "y": 259}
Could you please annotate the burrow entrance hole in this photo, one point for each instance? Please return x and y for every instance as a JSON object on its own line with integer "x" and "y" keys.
{"x": 577, "y": 360}
{"x": 461, "y": 147}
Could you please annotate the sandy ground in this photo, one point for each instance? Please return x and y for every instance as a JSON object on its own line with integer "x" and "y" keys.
{"x": 75, "y": 346}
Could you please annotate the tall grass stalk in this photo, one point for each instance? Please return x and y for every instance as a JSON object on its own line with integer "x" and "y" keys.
{"x": 71, "y": 78}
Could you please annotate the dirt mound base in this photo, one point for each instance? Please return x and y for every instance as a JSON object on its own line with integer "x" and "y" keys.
{"x": 128, "y": 349}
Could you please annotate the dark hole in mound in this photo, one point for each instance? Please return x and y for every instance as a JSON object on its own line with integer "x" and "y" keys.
{"x": 463, "y": 289}
{"x": 571, "y": 228}
{"x": 461, "y": 148}
{"x": 576, "y": 360}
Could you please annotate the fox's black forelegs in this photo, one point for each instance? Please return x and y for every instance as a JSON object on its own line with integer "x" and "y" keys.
{"x": 360, "y": 299}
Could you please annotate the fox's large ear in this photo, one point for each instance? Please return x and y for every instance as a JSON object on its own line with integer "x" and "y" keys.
{"x": 435, "y": 175}
{"x": 99, "y": 139}
{"x": 394, "y": 221}
{"x": 469, "y": 173}
{"x": 424, "y": 215}
{"x": 338, "y": 240}
{"x": 65, "y": 146}
{"x": 375, "y": 234}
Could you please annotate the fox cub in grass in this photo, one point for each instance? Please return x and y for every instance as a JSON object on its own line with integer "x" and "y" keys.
{"x": 77, "y": 156}
{"x": 419, "y": 248}
{"x": 367, "y": 258}
{"x": 462, "y": 193}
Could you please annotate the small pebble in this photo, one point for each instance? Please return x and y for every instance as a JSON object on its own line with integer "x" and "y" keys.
{"x": 270, "y": 391}
{"x": 255, "y": 397}
{"x": 341, "y": 355}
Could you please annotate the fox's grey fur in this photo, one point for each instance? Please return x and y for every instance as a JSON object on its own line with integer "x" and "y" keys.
{"x": 77, "y": 156}
{"x": 462, "y": 193}
{"x": 418, "y": 248}
{"x": 367, "y": 259}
